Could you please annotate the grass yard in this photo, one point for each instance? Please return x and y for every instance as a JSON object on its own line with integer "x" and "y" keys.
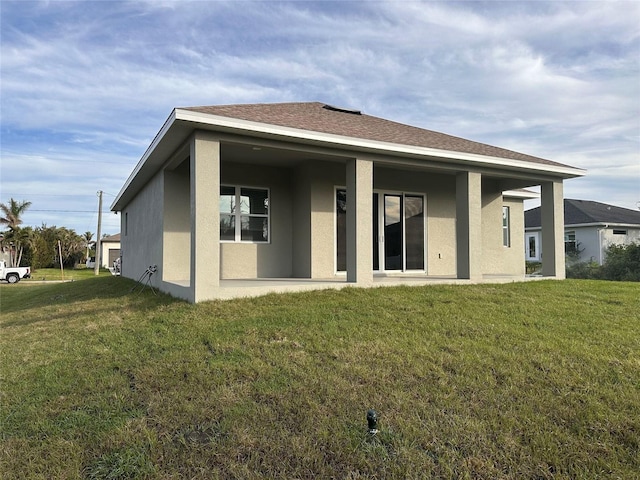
{"x": 528, "y": 380}
{"x": 68, "y": 274}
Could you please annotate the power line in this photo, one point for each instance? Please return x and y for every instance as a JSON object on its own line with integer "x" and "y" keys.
{"x": 67, "y": 211}
{"x": 22, "y": 194}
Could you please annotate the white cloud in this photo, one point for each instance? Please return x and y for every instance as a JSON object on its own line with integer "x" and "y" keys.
{"x": 560, "y": 80}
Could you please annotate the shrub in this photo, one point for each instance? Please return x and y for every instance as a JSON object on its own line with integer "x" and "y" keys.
{"x": 622, "y": 263}
{"x": 588, "y": 270}
{"x": 532, "y": 267}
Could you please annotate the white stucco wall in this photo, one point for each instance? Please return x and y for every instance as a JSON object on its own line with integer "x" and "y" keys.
{"x": 632, "y": 236}
{"x": 587, "y": 239}
{"x": 593, "y": 240}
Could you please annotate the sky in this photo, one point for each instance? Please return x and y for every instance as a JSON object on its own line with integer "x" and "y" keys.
{"x": 85, "y": 86}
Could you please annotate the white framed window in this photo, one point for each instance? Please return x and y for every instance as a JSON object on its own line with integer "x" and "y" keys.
{"x": 506, "y": 227}
{"x": 244, "y": 214}
{"x": 532, "y": 248}
{"x": 570, "y": 245}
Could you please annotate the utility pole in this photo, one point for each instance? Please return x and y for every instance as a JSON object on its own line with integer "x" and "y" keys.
{"x": 96, "y": 268}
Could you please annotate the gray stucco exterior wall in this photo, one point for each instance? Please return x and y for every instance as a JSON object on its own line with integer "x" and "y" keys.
{"x": 302, "y": 223}
{"x": 262, "y": 260}
{"x": 141, "y": 231}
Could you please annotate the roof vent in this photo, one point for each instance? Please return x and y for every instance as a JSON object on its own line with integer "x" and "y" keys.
{"x": 343, "y": 110}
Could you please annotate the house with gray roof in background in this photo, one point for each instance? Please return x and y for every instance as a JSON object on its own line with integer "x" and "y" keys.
{"x": 589, "y": 229}
{"x": 240, "y": 200}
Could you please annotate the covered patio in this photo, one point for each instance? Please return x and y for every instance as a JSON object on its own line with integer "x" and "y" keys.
{"x": 256, "y": 287}
{"x": 245, "y": 200}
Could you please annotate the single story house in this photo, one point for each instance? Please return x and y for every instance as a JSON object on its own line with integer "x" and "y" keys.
{"x": 589, "y": 229}
{"x": 109, "y": 250}
{"x": 309, "y": 195}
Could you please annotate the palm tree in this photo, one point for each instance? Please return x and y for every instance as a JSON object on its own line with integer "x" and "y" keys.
{"x": 87, "y": 240}
{"x": 11, "y": 214}
{"x": 20, "y": 238}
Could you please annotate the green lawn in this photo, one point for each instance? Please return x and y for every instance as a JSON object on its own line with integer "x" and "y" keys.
{"x": 527, "y": 380}
{"x": 68, "y": 274}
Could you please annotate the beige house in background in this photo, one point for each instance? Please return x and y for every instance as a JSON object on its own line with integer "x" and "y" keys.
{"x": 244, "y": 199}
{"x": 109, "y": 250}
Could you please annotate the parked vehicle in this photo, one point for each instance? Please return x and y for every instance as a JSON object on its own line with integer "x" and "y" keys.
{"x": 13, "y": 274}
{"x": 91, "y": 262}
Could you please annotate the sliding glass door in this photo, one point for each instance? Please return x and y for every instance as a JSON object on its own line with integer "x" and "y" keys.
{"x": 393, "y": 239}
{"x": 414, "y": 232}
{"x": 398, "y": 231}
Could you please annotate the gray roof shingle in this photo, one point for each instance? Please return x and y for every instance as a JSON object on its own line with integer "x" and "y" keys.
{"x": 578, "y": 212}
{"x": 318, "y": 117}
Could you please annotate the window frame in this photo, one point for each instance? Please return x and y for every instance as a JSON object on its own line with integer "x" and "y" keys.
{"x": 506, "y": 226}
{"x": 570, "y": 242}
{"x": 238, "y": 215}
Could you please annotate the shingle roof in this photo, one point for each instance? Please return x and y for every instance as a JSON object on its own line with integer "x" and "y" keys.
{"x": 112, "y": 238}
{"x": 577, "y": 212}
{"x": 318, "y": 117}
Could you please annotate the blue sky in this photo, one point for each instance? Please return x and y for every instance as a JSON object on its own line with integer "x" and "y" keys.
{"x": 85, "y": 86}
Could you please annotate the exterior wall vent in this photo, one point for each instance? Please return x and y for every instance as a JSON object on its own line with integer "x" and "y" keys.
{"x": 343, "y": 110}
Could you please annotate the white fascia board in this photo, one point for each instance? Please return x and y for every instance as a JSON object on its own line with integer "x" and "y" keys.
{"x": 309, "y": 135}
{"x": 520, "y": 194}
{"x": 327, "y": 138}
{"x": 603, "y": 225}
{"x": 156, "y": 140}
{"x": 570, "y": 226}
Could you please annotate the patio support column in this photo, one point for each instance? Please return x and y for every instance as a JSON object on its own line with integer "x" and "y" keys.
{"x": 205, "y": 215}
{"x": 552, "y": 212}
{"x": 359, "y": 221}
{"x": 469, "y": 225}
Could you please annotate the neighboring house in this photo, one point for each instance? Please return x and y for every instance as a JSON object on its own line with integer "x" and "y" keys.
{"x": 110, "y": 250}
{"x": 589, "y": 229}
{"x": 226, "y": 194}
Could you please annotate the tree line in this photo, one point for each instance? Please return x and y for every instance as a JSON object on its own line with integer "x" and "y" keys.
{"x": 39, "y": 247}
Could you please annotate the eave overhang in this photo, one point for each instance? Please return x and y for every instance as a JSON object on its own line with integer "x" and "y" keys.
{"x": 592, "y": 224}
{"x": 182, "y": 123}
{"x": 522, "y": 194}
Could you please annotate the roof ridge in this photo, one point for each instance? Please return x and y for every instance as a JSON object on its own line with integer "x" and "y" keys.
{"x": 227, "y": 105}
{"x": 595, "y": 202}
